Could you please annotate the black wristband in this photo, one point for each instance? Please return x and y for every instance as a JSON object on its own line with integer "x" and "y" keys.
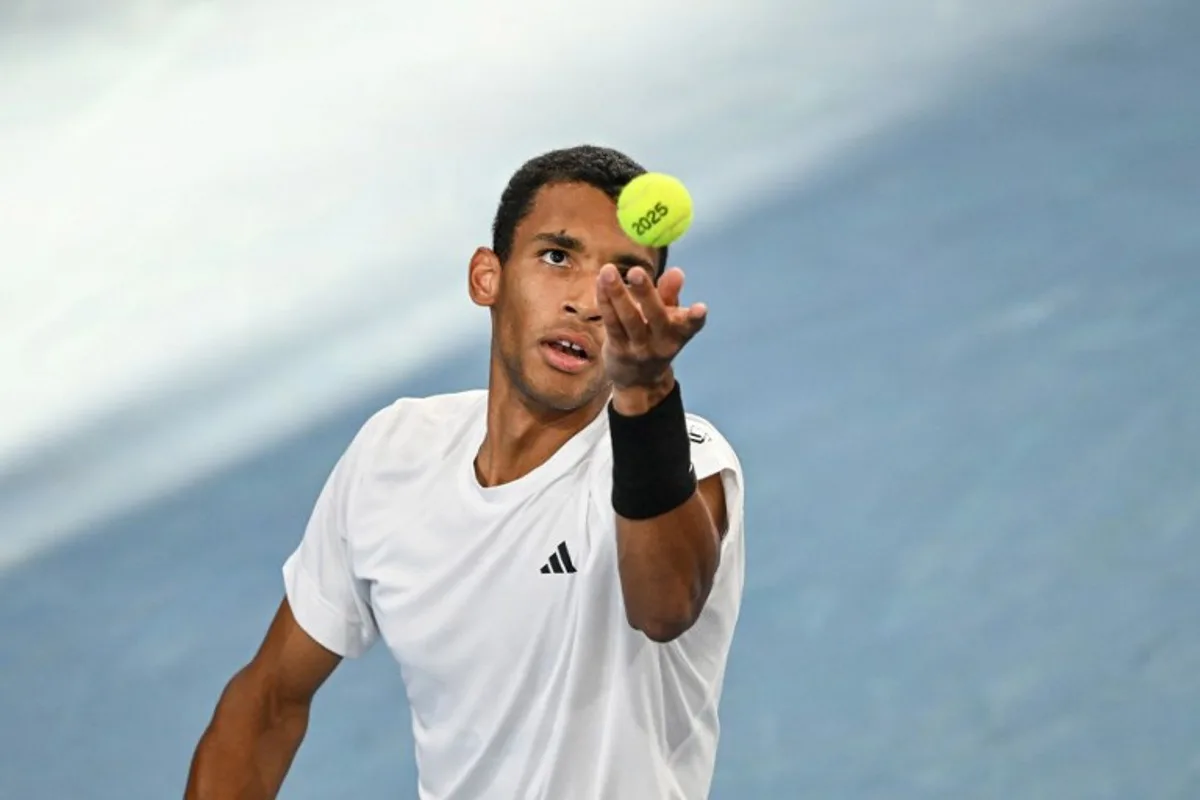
{"x": 652, "y": 459}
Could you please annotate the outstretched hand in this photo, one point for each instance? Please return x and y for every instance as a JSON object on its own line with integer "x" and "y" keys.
{"x": 646, "y": 326}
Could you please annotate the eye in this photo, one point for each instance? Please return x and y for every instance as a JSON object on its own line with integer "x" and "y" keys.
{"x": 554, "y": 257}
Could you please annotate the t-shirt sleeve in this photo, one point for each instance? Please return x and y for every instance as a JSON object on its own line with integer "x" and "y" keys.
{"x": 713, "y": 455}
{"x": 327, "y": 599}
{"x": 693, "y": 666}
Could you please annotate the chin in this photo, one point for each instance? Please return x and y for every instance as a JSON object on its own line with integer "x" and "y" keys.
{"x": 544, "y": 387}
{"x": 563, "y": 399}
{"x": 564, "y": 393}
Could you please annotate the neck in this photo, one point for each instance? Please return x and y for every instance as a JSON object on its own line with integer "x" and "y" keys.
{"x": 522, "y": 436}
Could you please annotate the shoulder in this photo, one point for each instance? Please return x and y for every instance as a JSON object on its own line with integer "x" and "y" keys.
{"x": 417, "y": 424}
{"x": 711, "y": 451}
{"x": 432, "y": 410}
{"x": 712, "y": 455}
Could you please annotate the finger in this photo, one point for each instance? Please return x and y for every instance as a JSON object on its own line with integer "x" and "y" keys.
{"x": 629, "y": 317}
{"x": 687, "y": 322}
{"x": 645, "y": 294}
{"x": 608, "y": 313}
{"x": 670, "y": 285}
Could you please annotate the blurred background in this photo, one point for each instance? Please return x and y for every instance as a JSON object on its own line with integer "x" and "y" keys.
{"x": 950, "y": 249}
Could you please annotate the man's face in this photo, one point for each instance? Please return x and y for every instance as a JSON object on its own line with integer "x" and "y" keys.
{"x": 547, "y": 329}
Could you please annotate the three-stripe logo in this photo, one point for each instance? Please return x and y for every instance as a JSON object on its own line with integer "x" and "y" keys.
{"x": 560, "y": 561}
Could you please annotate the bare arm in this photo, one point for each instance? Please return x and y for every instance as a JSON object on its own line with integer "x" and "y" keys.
{"x": 262, "y": 716}
{"x": 668, "y": 563}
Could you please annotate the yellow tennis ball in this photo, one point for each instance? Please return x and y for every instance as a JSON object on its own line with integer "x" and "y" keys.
{"x": 654, "y": 209}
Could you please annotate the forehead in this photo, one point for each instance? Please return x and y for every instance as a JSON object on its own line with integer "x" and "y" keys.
{"x": 581, "y": 211}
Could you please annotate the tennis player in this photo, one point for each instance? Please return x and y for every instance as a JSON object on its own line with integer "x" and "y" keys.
{"x": 556, "y": 563}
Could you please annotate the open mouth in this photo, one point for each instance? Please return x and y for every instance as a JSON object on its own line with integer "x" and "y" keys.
{"x": 566, "y": 355}
{"x": 569, "y": 348}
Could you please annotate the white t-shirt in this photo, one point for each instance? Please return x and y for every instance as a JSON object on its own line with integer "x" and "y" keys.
{"x": 503, "y": 607}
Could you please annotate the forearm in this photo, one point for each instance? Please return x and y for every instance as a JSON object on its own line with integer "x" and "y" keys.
{"x": 667, "y": 565}
{"x": 248, "y": 747}
{"x": 667, "y": 556}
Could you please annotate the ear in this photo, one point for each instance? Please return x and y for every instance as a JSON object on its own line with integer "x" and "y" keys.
{"x": 483, "y": 277}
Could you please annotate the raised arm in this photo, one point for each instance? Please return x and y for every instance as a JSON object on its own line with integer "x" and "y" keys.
{"x": 669, "y": 525}
{"x": 260, "y": 720}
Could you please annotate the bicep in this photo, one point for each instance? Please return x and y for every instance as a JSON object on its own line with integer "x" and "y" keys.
{"x": 290, "y": 664}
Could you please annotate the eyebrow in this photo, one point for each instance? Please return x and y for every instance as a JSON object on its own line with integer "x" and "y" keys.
{"x": 562, "y": 240}
{"x": 570, "y": 243}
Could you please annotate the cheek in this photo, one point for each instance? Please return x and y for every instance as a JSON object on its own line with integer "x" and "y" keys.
{"x": 514, "y": 324}
{"x": 533, "y": 301}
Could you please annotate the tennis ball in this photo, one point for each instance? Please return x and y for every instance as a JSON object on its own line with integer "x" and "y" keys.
{"x": 654, "y": 209}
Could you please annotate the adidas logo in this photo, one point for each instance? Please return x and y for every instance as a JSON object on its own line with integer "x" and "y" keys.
{"x": 560, "y": 561}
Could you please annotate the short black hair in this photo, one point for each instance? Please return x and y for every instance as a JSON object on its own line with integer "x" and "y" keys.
{"x": 602, "y": 167}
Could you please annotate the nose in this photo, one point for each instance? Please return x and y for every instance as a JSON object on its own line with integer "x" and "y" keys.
{"x": 587, "y": 314}
{"x": 584, "y": 303}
